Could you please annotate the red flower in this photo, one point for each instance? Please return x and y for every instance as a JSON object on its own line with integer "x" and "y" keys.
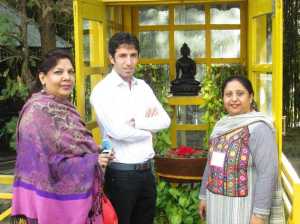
{"x": 185, "y": 151}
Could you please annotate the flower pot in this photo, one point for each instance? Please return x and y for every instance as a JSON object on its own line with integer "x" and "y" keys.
{"x": 180, "y": 170}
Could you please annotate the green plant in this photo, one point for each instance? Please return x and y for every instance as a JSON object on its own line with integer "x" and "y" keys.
{"x": 10, "y": 128}
{"x": 177, "y": 203}
{"x": 157, "y": 77}
{"x": 15, "y": 91}
{"x": 13, "y": 88}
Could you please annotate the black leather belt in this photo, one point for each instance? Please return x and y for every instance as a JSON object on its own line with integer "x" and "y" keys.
{"x": 130, "y": 166}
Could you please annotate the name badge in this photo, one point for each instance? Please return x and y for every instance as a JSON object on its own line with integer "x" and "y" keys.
{"x": 217, "y": 159}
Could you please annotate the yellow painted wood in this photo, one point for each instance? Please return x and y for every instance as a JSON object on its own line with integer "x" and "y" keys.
{"x": 207, "y": 38}
{"x": 6, "y": 179}
{"x": 207, "y": 27}
{"x": 185, "y": 100}
{"x": 257, "y": 46}
{"x": 291, "y": 186}
{"x": 5, "y": 195}
{"x": 154, "y": 62}
{"x": 92, "y": 70}
{"x": 295, "y": 214}
{"x": 173, "y": 132}
{"x": 287, "y": 186}
{"x": 261, "y": 7}
{"x": 172, "y": 51}
{"x": 262, "y": 68}
{"x": 91, "y": 125}
{"x": 277, "y": 68}
{"x": 127, "y": 20}
{"x": 190, "y": 127}
{"x": 94, "y": 13}
{"x": 5, "y": 214}
{"x": 244, "y": 26}
{"x": 153, "y": 2}
{"x": 178, "y": 177}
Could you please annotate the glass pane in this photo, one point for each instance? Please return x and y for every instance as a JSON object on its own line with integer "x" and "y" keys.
{"x": 89, "y": 83}
{"x": 225, "y": 43}
{"x": 119, "y": 15}
{"x": 264, "y": 39}
{"x": 154, "y": 44}
{"x": 90, "y": 33}
{"x": 265, "y": 93}
{"x": 88, "y": 89}
{"x": 154, "y": 15}
{"x": 193, "y": 139}
{"x": 225, "y": 14}
{"x": 194, "y": 39}
{"x": 150, "y": 73}
{"x": 109, "y": 33}
{"x": 189, "y": 14}
{"x": 110, "y": 13}
{"x": 86, "y": 43}
{"x": 201, "y": 71}
{"x": 190, "y": 114}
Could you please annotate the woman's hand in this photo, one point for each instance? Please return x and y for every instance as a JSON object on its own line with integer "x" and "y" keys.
{"x": 202, "y": 209}
{"x": 104, "y": 159}
{"x": 257, "y": 220}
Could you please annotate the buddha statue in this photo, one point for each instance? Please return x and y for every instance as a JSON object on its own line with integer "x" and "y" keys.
{"x": 185, "y": 84}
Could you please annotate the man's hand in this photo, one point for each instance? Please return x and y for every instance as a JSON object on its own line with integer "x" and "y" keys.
{"x": 202, "y": 209}
{"x": 151, "y": 112}
{"x": 257, "y": 220}
{"x": 104, "y": 159}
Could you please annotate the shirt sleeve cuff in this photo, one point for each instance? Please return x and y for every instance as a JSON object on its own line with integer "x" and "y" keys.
{"x": 264, "y": 212}
{"x": 202, "y": 197}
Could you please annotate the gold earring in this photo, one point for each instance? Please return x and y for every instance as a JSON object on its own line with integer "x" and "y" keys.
{"x": 44, "y": 87}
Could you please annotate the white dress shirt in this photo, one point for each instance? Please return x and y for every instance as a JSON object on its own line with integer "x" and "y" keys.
{"x": 117, "y": 105}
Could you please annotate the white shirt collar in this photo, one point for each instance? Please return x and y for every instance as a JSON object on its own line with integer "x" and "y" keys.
{"x": 116, "y": 78}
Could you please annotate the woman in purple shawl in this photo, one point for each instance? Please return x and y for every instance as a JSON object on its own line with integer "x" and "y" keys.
{"x": 58, "y": 179}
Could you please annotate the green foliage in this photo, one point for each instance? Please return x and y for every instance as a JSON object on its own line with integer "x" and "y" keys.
{"x": 7, "y": 37}
{"x": 10, "y": 129}
{"x": 211, "y": 93}
{"x": 177, "y": 203}
{"x": 157, "y": 77}
{"x": 13, "y": 88}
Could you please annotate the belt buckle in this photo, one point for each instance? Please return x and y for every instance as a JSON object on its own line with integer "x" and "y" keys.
{"x": 142, "y": 166}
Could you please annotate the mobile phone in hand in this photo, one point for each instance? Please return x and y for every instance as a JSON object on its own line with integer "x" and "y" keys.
{"x": 106, "y": 145}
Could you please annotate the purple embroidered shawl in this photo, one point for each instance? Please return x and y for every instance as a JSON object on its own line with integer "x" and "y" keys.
{"x": 56, "y": 179}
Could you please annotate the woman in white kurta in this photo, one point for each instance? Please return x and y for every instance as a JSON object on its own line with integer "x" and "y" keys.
{"x": 241, "y": 172}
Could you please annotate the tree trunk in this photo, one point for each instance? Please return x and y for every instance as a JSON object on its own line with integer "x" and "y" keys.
{"x": 291, "y": 68}
{"x": 25, "y": 72}
{"x": 47, "y": 26}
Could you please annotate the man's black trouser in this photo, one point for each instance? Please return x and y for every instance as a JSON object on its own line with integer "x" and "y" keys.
{"x": 132, "y": 193}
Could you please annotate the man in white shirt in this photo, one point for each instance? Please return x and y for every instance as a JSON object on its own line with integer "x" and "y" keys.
{"x": 129, "y": 113}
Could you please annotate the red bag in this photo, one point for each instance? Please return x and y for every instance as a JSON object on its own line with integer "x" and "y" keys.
{"x": 108, "y": 212}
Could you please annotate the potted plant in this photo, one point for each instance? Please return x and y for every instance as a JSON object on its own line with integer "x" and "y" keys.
{"x": 183, "y": 164}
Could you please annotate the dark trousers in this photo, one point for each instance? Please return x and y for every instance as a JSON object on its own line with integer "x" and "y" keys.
{"x": 133, "y": 195}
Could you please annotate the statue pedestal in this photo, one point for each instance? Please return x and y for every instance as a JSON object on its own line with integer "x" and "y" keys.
{"x": 185, "y": 89}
